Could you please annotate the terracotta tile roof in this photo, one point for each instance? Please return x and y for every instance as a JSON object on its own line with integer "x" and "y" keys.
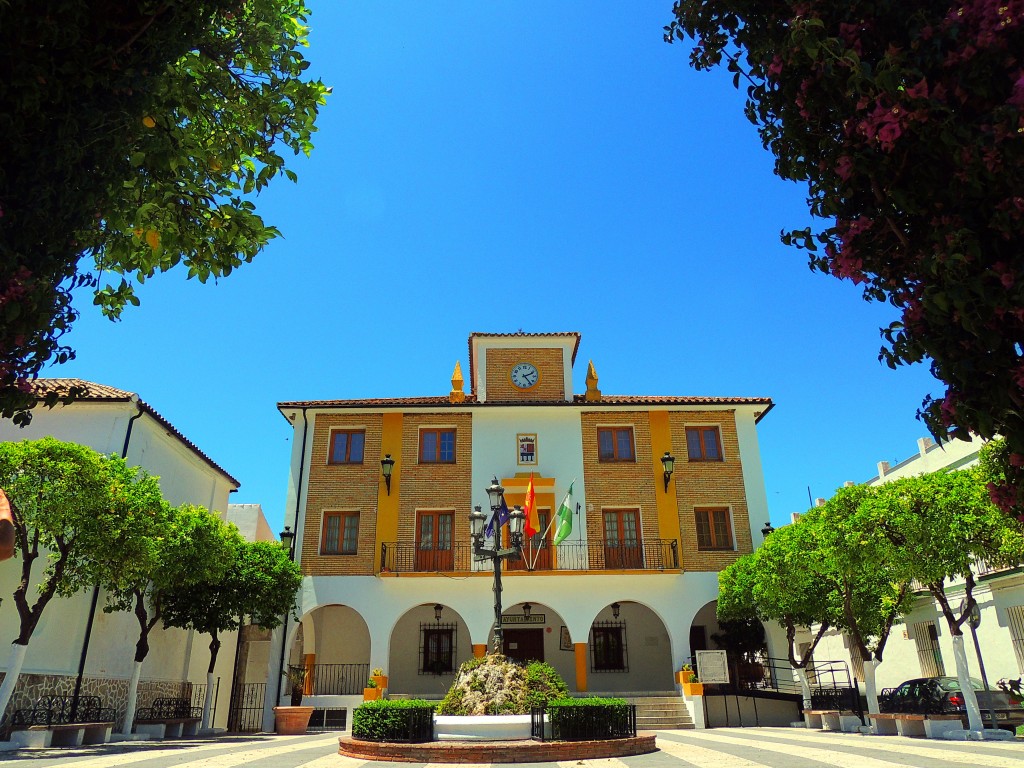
{"x": 578, "y": 400}
{"x": 92, "y": 392}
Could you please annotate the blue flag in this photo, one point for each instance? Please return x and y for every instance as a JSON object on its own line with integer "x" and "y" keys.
{"x": 501, "y": 514}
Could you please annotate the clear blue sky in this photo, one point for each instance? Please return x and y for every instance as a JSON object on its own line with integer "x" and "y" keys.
{"x": 496, "y": 166}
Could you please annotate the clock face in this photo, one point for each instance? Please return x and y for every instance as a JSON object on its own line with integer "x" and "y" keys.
{"x": 524, "y": 375}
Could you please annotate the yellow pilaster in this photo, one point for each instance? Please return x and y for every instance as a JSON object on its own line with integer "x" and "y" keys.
{"x": 479, "y": 650}
{"x": 387, "y": 505}
{"x": 668, "y": 508}
{"x": 581, "y": 666}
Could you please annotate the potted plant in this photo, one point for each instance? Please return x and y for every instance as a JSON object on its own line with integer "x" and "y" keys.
{"x": 684, "y": 673}
{"x": 371, "y": 692}
{"x": 378, "y": 676}
{"x": 293, "y": 719}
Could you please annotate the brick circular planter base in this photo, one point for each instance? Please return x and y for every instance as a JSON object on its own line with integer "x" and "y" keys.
{"x": 495, "y": 751}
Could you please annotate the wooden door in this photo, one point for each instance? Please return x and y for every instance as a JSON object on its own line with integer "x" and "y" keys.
{"x": 524, "y": 644}
{"x": 622, "y": 539}
{"x": 434, "y": 540}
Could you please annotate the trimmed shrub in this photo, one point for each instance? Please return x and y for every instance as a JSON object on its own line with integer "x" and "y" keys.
{"x": 590, "y": 719}
{"x": 404, "y": 720}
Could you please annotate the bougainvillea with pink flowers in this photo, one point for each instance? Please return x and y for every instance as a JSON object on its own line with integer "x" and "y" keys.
{"x": 906, "y": 121}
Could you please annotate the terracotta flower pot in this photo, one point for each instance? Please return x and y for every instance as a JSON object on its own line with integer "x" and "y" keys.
{"x": 292, "y": 720}
{"x": 693, "y": 689}
{"x": 371, "y": 694}
{"x": 380, "y": 680}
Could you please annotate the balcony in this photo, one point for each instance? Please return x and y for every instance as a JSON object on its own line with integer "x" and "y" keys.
{"x": 593, "y": 555}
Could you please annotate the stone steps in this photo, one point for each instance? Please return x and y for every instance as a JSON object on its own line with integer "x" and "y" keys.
{"x": 661, "y": 712}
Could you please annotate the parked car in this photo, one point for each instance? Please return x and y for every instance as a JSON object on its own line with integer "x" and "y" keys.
{"x": 944, "y": 696}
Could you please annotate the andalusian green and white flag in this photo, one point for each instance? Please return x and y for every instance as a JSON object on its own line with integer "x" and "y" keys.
{"x": 565, "y": 516}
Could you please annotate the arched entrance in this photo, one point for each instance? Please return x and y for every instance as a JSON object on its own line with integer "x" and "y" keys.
{"x": 333, "y": 643}
{"x": 428, "y": 644}
{"x": 629, "y": 649}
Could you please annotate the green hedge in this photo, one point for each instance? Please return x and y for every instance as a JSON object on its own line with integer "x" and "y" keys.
{"x": 591, "y": 718}
{"x": 404, "y": 720}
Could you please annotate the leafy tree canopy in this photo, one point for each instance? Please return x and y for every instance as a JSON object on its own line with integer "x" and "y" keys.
{"x": 906, "y": 121}
{"x": 259, "y": 585}
{"x": 135, "y": 137}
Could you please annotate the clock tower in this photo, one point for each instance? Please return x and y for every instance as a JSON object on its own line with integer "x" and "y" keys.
{"x": 522, "y": 367}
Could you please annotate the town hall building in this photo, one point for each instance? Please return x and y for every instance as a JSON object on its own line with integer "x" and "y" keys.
{"x": 665, "y": 492}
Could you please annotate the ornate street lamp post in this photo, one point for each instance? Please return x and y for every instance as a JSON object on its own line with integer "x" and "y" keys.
{"x": 477, "y": 524}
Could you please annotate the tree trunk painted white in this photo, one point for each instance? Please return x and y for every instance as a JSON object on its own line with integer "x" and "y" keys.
{"x": 208, "y": 701}
{"x": 963, "y": 674}
{"x": 870, "y": 688}
{"x": 15, "y": 661}
{"x": 133, "y": 698}
{"x": 805, "y": 688}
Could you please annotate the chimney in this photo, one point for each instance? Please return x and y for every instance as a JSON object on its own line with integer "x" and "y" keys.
{"x": 923, "y": 444}
{"x": 819, "y": 502}
{"x": 883, "y": 467}
{"x": 849, "y": 484}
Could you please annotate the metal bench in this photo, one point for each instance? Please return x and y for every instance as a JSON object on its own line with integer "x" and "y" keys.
{"x": 169, "y": 718}
{"x": 55, "y": 721}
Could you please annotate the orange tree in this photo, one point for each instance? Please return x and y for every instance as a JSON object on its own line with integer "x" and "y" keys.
{"x": 906, "y": 121}
{"x": 135, "y": 135}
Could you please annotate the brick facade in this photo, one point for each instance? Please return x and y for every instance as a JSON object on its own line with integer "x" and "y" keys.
{"x": 619, "y": 485}
{"x": 709, "y": 484}
{"x": 548, "y": 361}
{"x": 436, "y": 486}
{"x": 342, "y": 488}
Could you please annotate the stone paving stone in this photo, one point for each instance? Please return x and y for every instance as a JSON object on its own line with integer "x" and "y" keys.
{"x": 718, "y": 748}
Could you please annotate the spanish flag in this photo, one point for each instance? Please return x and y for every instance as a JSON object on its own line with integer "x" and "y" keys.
{"x": 532, "y": 525}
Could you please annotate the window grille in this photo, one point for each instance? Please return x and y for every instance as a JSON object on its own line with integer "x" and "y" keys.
{"x": 1015, "y": 614}
{"x": 437, "y": 648}
{"x": 926, "y": 638}
{"x": 608, "y": 647}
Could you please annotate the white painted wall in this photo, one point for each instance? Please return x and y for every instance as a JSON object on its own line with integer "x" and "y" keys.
{"x": 753, "y": 474}
{"x": 559, "y": 452}
{"x": 56, "y": 645}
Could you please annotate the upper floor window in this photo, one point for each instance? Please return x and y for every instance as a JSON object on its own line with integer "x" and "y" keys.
{"x": 703, "y": 444}
{"x": 437, "y": 446}
{"x": 714, "y": 528}
{"x": 346, "y": 446}
{"x": 340, "y": 534}
{"x": 615, "y": 444}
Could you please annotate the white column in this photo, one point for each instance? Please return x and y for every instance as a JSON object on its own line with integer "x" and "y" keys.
{"x": 273, "y": 692}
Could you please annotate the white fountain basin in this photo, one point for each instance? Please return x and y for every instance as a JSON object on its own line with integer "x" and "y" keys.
{"x": 481, "y": 727}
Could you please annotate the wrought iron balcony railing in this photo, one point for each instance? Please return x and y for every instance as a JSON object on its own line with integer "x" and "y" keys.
{"x": 593, "y": 555}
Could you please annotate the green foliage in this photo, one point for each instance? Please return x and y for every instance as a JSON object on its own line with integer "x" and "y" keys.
{"x": 782, "y": 581}
{"x": 259, "y": 585}
{"x": 63, "y": 501}
{"x": 543, "y": 684}
{"x": 371, "y": 683}
{"x": 388, "y": 719}
{"x": 590, "y": 718}
{"x": 135, "y": 138}
{"x": 904, "y": 121}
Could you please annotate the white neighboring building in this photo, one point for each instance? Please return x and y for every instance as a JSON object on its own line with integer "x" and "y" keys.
{"x": 921, "y": 646}
{"x": 113, "y": 421}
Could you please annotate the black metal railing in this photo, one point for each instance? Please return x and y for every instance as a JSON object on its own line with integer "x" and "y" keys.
{"x": 337, "y": 679}
{"x": 584, "y": 722}
{"x": 593, "y": 555}
{"x": 246, "y": 710}
{"x": 778, "y": 675}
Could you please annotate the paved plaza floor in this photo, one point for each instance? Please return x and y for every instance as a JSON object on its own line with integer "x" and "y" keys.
{"x": 718, "y": 748}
